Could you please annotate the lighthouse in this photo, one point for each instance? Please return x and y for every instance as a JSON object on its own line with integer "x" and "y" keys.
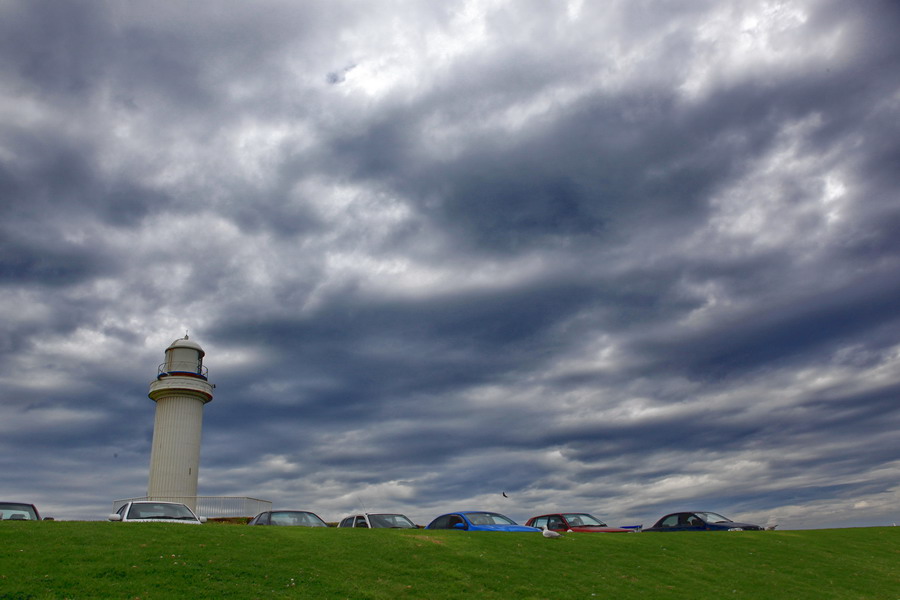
{"x": 180, "y": 391}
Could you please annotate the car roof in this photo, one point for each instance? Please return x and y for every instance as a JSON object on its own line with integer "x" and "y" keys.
{"x": 458, "y": 512}
{"x": 471, "y": 512}
{"x": 691, "y": 512}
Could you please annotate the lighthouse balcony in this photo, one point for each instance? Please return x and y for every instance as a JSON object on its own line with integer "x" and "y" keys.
{"x": 182, "y": 369}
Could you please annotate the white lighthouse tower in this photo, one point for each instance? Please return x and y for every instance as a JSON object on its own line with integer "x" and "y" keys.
{"x": 180, "y": 391}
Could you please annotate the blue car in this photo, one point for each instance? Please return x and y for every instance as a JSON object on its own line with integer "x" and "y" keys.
{"x": 477, "y": 520}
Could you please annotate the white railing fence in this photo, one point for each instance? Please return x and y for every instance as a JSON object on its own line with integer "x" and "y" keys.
{"x": 211, "y": 506}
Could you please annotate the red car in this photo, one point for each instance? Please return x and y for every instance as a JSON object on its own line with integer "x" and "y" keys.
{"x": 574, "y": 522}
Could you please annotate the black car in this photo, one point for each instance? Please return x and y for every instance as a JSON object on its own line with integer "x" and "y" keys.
{"x": 18, "y": 511}
{"x": 700, "y": 521}
{"x": 297, "y": 518}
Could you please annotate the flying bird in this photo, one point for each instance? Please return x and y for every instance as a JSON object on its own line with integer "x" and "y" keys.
{"x": 504, "y": 494}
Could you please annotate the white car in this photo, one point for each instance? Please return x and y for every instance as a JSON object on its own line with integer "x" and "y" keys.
{"x": 378, "y": 520}
{"x": 151, "y": 511}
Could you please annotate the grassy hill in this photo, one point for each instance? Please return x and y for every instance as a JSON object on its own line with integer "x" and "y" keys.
{"x": 157, "y": 561}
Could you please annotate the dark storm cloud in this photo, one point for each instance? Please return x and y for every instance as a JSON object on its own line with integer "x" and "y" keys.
{"x": 54, "y": 50}
{"x": 39, "y": 262}
{"x": 806, "y": 326}
{"x": 61, "y": 179}
{"x": 622, "y": 258}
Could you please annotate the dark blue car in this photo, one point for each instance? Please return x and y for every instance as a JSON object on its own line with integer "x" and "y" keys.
{"x": 477, "y": 520}
{"x": 700, "y": 521}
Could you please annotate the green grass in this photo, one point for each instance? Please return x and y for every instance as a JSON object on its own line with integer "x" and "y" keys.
{"x": 155, "y": 560}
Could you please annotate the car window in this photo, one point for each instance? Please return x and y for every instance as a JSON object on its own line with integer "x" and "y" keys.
{"x": 540, "y": 522}
{"x": 139, "y": 511}
{"x": 711, "y": 517}
{"x": 152, "y": 510}
{"x": 17, "y": 512}
{"x": 670, "y": 521}
{"x": 455, "y": 520}
{"x": 442, "y": 522}
{"x": 347, "y": 522}
{"x": 313, "y": 520}
{"x": 285, "y": 518}
{"x": 581, "y": 519}
{"x": 486, "y": 518}
{"x": 555, "y": 522}
{"x": 301, "y": 518}
{"x": 361, "y": 521}
{"x": 390, "y": 520}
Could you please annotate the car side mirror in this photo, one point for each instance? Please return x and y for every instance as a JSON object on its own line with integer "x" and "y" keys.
{"x": 459, "y": 526}
{"x": 114, "y": 517}
{"x": 202, "y": 519}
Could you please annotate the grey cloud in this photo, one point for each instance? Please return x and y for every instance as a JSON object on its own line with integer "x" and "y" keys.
{"x": 625, "y": 260}
{"x": 787, "y": 330}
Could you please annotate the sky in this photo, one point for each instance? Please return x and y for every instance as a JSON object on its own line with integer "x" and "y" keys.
{"x": 623, "y": 257}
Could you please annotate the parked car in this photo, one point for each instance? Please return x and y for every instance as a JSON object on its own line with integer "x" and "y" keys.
{"x": 476, "y": 520}
{"x": 583, "y": 522}
{"x": 700, "y": 521}
{"x": 18, "y": 511}
{"x": 149, "y": 511}
{"x": 378, "y": 521}
{"x": 298, "y": 518}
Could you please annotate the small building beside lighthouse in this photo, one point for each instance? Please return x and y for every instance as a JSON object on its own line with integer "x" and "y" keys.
{"x": 180, "y": 391}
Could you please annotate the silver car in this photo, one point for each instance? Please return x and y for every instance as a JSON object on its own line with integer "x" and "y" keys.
{"x": 378, "y": 520}
{"x": 151, "y": 511}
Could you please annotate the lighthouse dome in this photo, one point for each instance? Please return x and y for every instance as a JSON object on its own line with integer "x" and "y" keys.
{"x": 186, "y": 343}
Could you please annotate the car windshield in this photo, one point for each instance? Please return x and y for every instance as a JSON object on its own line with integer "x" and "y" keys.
{"x": 10, "y": 511}
{"x": 582, "y": 519}
{"x": 711, "y": 517}
{"x": 159, "y": 510}
{"x": 486, "y": 518}
{"x": 296, "y": 517}
{"x": 393, "y": 521}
